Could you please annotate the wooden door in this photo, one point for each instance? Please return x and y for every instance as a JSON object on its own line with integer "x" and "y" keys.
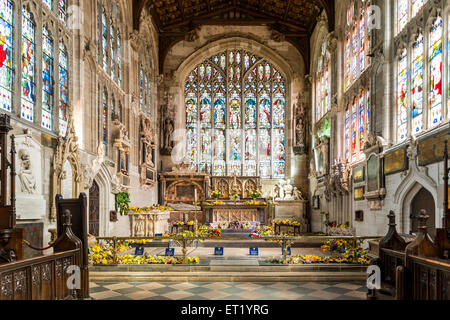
{"x": 94, "y": 208}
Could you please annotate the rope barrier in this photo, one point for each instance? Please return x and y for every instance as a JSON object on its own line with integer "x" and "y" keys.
{"x": 51, "y": 245}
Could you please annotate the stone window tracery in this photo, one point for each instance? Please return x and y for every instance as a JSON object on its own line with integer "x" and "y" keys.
{"x": 235, "y": 116}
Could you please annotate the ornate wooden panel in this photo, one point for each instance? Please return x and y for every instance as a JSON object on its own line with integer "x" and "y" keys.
{"x": 94, "y": 208}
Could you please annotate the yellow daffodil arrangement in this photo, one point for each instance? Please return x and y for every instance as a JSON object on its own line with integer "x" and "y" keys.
{"x": 287, "y": 222}
{"x": 184, "y": 223}
{"x": 246, "y": 225}
{"x": 255, "y": 194}
{"x": 255, "y": 203}
{"x": 216, "y": 194}
{"x": 149, "y": 208}
{"x": 223, "y": 225}
{"x": 215, "y": 203}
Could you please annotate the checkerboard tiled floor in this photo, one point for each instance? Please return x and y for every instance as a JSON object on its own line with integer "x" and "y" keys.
{"x": 228, "y": 291}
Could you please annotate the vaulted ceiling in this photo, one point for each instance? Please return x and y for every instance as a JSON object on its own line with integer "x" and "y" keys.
{"x": 294, "y": 19}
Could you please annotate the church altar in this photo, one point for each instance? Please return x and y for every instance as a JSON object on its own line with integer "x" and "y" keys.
{"x": 235, "y": 211}
{"x": 148, "y": 223}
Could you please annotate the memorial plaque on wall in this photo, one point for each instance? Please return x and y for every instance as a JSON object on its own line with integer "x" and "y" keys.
{"x": 395, "y": 162}
{"x": 359, "y": 175}
{"x": 185, "y": 191}
{"x": 431, "y": 150}
{"x": 372, "y": 174}
{"x": 359, "y": 194}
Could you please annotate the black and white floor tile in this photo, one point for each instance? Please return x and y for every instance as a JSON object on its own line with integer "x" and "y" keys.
{"x": 228, "y": 291}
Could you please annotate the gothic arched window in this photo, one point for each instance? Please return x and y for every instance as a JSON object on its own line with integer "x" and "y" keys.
{"x": 357, "y": 124}
{"x": 28, "y": 66}
{"x": 357, "y": 42}
{"x": 104, "y": 119}
{"x": 402, "y": 96}
{"x": 406, "y": 10}
{"x": 235, "y": 116}
{"x": 145, "y": 90}
{"x": 47, "y": 80}
{"x": 6, "y": 55}
{"x": 110, "y": 46}
{"x": 417, "y": 86}
{"x": 435, "y": 73}
{"x": 62, "y": 10}
{"x": 49, "y": 4}
{"x": 323, "y": 84}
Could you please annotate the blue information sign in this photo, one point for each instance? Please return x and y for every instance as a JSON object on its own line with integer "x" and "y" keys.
{"x": 170, "y": 252}
{"x": 254, "y": 251}
{"x": 218, "y": 251}
{"x": 158, "y": 234}
{"x": 288, "y": 250}
{"x": 139, "y": 251}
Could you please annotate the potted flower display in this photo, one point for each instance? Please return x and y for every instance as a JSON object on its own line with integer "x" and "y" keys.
{"x": 216, "y": 194}
{"x": 256, "y": 194}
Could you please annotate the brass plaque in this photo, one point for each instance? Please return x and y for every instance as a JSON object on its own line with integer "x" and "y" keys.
{"x": 431, "y": 150}
{"x": 372, "y": 174}
{"x": 359, "y": 193}
{"x": 359, "y": 174}
{"x": 395, "y": 161}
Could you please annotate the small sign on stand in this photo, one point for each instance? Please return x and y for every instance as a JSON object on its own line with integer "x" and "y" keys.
{"x": 218, "y": 251}
{"x": 139, "y": 251}
{"x": 288, "y": 250}
{"x": 254, "y": 251}
{"x": 158, "y": 234}
{"x": 170, "y": 252}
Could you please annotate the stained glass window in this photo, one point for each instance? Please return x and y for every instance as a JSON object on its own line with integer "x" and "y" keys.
{"x": 323, "y": 84}
{"x": 144, "y": 91}
{"x": 119, "y": 59}
{"x": 28, "y": 66}
{"x": 435, "y": 74}
{"x": 112, "y": 49}
{"x": 357, "y": 43}
{"x": 105, "y": 118}
{"x": 357, "y": 124}
{"x": 47, "y": 80}
{"x": 48, "y": 3}
{"x": 105, "y": 48}
{"x": 63, "y": 89}
{"x": 402, "y": 14}
{"x": 416, "y": 6}
{"x": 402, "y": 96}
{"x": 417, "y": 86}
{"x": 62, "y": 10}
{"x": 235, "y": 116}
{"x": 6, "y": 55}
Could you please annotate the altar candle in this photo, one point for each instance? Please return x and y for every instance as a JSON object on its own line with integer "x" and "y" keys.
{"x": 195, "y": 195}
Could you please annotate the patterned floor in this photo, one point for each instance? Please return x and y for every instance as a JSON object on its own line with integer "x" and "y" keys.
{"x": 228, "y": 291}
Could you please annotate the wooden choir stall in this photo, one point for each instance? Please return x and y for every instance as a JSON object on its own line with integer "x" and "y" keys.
{"x": 44, "y": 277}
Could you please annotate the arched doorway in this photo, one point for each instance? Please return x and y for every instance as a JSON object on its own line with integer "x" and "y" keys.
{"x": 94, "y": 209}
{"x": 423, "y": 200}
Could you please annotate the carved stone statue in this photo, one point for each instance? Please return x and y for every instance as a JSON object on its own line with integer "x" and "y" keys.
{"x": 26, "y": 176}
{"x": 297, "y": 194}
{"x": 288, "y": 191}
{"x": 300, "y": 123}
{"x": 167, "y": 126}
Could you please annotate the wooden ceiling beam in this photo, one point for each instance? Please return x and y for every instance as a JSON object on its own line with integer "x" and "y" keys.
{"x": 180, "y": 5}
{"x": 234, "y": 22}
{"x": 203, "y": 16}
{"x": 266, "y": 15}
{"x": 287, "y": 10}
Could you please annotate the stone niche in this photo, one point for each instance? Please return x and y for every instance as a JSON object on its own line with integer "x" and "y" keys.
{"x": 30, "y": 201}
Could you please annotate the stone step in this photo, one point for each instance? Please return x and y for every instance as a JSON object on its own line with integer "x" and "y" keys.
{"x": 227, "y": 273}
{"x": 226, "y": 276}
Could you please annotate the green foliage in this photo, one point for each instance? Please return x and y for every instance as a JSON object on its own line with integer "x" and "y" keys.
{"x": 123, "y": 202}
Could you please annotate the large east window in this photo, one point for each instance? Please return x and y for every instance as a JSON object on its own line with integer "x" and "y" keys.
{"x": 235, "y": 116}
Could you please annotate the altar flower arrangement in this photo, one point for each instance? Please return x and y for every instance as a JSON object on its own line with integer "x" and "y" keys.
{"x": 216, "y": 194}
{"x": 255, "y": 194}
{"x": 234, "y": 225}
{"x": 223, "y": 225}
{"x": 185, "y": 234}
{"x": 234, "y": 196}
{"x": 149, "y": 208}
{"x": 215, "y": 203}
{"x": 287, "y": 222}
{"x": 255, "y": 203}
{"x": 246, "y": 225}
{"x": 183, "y": 223}
{"x": 255, "y": 234}
{"x": 215, "y": 233}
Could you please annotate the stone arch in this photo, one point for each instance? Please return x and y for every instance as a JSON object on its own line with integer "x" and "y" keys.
{"x": 405, "y": 194}
{"x": 103, "y": 179}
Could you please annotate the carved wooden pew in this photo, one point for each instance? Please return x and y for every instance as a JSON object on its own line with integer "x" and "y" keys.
{"x": 46, "y": 277}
